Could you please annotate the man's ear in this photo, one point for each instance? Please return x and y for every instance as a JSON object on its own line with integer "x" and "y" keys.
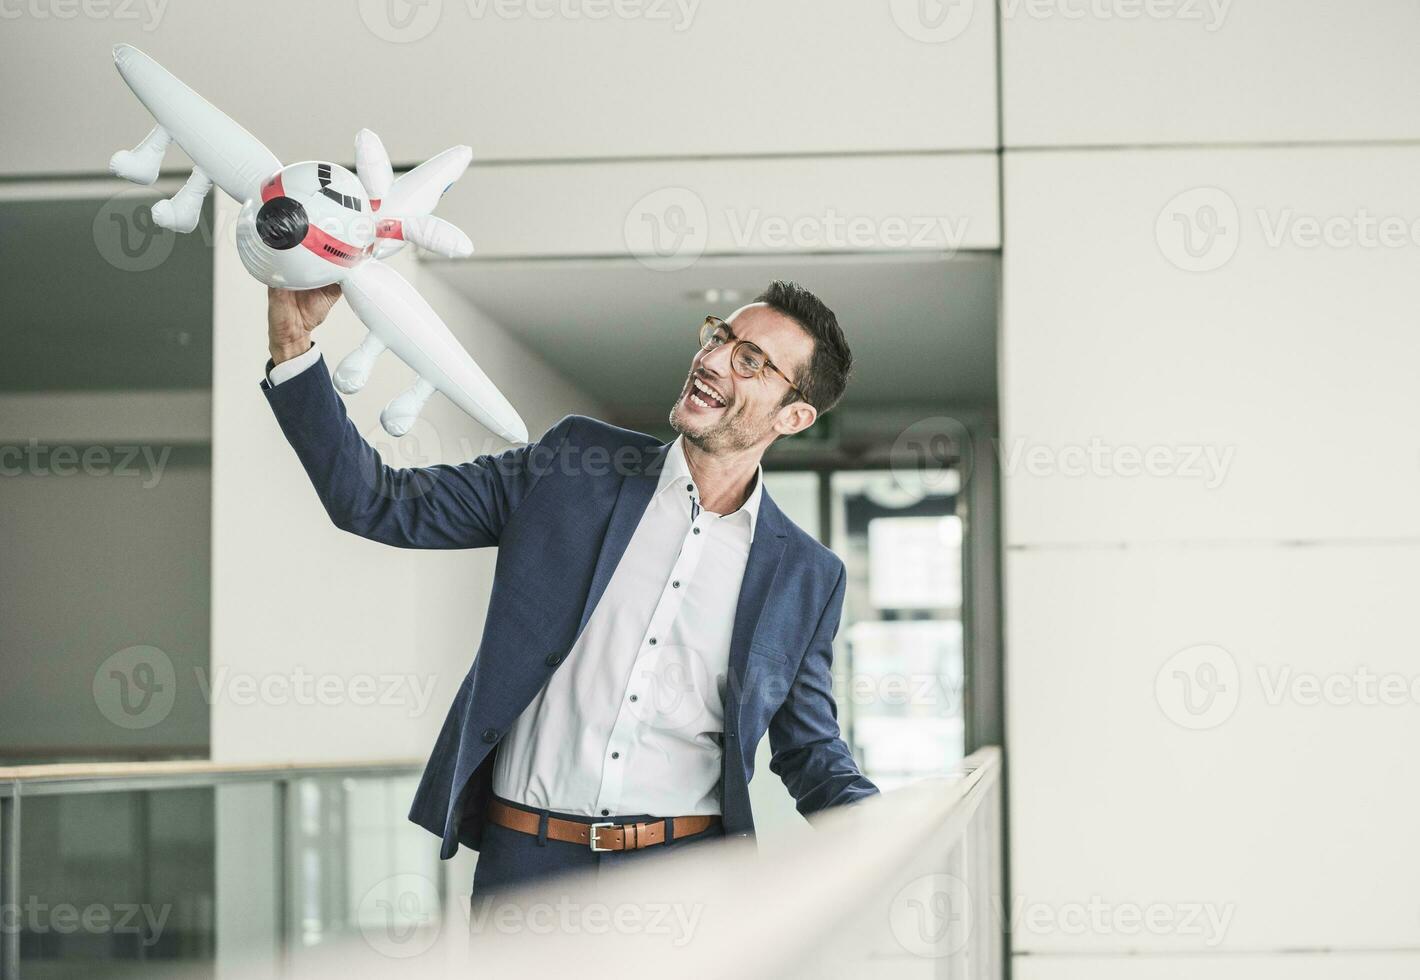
{"x": 795, "y": 418}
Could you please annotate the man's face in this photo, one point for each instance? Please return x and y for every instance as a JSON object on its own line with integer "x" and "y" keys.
{"x": 741, "y": 413}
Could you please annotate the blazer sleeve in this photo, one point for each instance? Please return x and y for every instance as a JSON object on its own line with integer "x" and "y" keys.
{"x": 808, "y": 753}
{"x": 463, "y": 506}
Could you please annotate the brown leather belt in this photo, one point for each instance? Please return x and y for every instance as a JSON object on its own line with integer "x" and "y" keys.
{"x": 603, "y": 836}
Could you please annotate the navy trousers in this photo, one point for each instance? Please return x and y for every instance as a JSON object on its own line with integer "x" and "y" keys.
{"x": 510, "y": 859}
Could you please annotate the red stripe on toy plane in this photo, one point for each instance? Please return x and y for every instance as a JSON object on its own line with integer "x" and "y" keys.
{"x": 331, "y": 248}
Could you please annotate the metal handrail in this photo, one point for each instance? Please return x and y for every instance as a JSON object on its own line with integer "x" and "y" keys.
{"x": 104, "y": 777}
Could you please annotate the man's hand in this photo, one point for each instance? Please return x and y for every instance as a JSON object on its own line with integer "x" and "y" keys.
{"x": 291, "y": 315}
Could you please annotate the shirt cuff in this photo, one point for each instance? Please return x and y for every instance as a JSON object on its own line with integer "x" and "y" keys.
{"x": 287, "y": 370}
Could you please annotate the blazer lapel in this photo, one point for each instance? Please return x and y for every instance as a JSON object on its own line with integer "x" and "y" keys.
{"x": 631, "y": 500}
{"x": 760, "y": 569}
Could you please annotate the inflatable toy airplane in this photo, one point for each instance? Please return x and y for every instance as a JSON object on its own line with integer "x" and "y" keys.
{"x": 312, "y": 224}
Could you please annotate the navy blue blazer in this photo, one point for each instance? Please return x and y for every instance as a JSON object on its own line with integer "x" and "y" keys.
{"x": 561, "y": 511}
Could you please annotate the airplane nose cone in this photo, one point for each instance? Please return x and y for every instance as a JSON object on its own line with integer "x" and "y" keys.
{"x": 281, "y": 223}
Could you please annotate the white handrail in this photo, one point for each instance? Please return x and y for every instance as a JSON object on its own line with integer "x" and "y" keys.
{"x": 903, "y": 884}
{"x": 72, "y": 772}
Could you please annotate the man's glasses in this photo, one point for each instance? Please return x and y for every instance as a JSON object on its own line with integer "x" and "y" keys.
{"x": 747, "y": 359}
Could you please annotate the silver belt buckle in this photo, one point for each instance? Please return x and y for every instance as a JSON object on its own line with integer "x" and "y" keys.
{"x": 592, "y": 836}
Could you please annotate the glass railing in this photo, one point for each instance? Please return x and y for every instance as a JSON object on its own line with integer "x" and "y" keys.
{"x": 180, "y": 868}
{"x": 193, "y": 871}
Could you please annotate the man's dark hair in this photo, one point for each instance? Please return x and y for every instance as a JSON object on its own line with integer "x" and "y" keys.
{"x": 826, "y": 375}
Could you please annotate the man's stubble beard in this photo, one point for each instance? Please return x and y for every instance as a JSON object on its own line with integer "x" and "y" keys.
{"x": 728, "y": 434}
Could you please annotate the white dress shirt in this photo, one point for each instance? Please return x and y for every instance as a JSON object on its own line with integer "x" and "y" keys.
{"x": 633, "y": 720}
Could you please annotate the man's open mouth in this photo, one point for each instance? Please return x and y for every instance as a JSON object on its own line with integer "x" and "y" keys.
{"x": 705, "y": 396}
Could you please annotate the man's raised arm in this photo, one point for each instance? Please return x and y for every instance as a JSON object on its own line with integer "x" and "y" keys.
{"x": 463, "y": 506}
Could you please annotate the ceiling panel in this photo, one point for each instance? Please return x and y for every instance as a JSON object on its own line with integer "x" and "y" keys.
{"x": 922, "y": 327}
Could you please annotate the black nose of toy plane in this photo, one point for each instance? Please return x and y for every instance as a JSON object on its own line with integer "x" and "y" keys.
{"x": 281, "y": 223}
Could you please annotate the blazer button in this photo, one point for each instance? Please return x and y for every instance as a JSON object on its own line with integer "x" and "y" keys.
{"x": 553, "y": 659}
{"x": 490, "y": 735}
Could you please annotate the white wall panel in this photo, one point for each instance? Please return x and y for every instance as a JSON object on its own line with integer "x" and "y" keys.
{"x": 671, "y": 212}
{"x": 1284, "y": 803}
{"x": 1270, "y": 371}
{"x": 515, "y": 79}
{"x": 1113, "y": 72}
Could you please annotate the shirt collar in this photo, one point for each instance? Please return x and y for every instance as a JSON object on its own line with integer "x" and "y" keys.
{"x": 675, "y": 473}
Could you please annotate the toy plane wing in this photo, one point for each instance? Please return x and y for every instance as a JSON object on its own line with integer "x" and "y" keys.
{"x": 402, "y": 320}
{"x": 231, "y": 157}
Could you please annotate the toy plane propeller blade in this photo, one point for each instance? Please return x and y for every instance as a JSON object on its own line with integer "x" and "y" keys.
{"x": 419, "y": 190}
{"x": 428, "y": 232}
{"x": 232, "y": 158}
{"x": 404, "y": 321}
{"x": 406, "y": 205}
{"x": 372, "y": 166}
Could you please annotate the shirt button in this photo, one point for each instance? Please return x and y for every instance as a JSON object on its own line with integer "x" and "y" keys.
{"x": 653, "y": 641}
{"x": 616, "y": 755}
{"x": 690, "y": 488}
{"x": 633, "y": 697}
{"x": 695, "y": 530}
{"x": 490, "y": 735}
{"x": 675, "y": 584}
{"x": 606, "y": 813}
